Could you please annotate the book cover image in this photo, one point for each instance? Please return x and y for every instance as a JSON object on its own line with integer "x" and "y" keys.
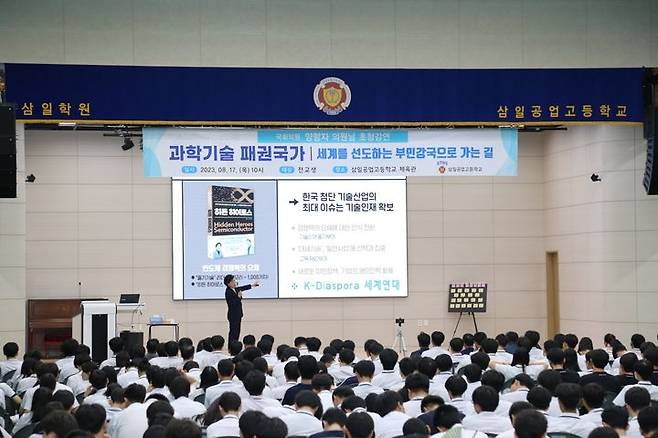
{"x": 231, "y": 231}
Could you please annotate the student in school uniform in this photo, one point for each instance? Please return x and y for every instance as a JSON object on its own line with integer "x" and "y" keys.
{"x": 444, "y": 364}
{"x": 456, "y": 386}
{"x": 304, "y": 420}
{"x": 254, "y": 383}
{"x": 292, "y": 375}
{"x": 636, "y": 400}
{"x": 226, "y": 369}
{"x": 569, "y": 396}
{"x": 343, "y": 370}
{"x": 556, "y": 358}
{"x": 643, "y": 370}
{"x": 418, "y": 386}
{"x": 228, "y": 425}
{"x": 521, "y": 386}
{"x": 389, "y": 376}
{"x": 423, "y": 344}
{"x": 593, "y": 396}
{"x": 308, "y": 367}
{"x": 530, "y": 424}
{"x": 184, "y": 407}
{"x": 598, "y": 360}
{"x": 514, "y": 411}
{"x": 485, "y": 401}
{"x": 625, "y": 371}
{"x": 322, "y": 384}
{"x": 392, "y": 413}
{"x": 364, "y": 373}
{"x": 436, "y": 348}
{"x": 615, "y": 418}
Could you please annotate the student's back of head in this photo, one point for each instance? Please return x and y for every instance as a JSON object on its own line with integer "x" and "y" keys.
{"x": 427, "y": 366}
{"x": 388, "y": 402}
{"x": 643, "y": 369}
{"x": 593, "y": 395}
{"x": 485, "y": 398}
{"x": 480, "y": 359}
{"x": 569, "y": 395}
{"x": 494, "y": 379}
{"x": 415, "y": 427}
{"x": 423, "y": 340}
{"x": 549, "y": 379}
{"x": 443, "y": 363}
{"x": 615, "y": 417}
{"x": 648, "y": 421}
{"x": 637, "y": 398}
{"x": 182, "y": 429}
{"x": 90, "y": 417}
{"x": 599, "y": 358}
{"x": 254, "y": 382}
{"x": 346, "y": 356}
{"x": 472, "y": 372}
{"x": 445, "y": 417}
{"x": 456, "y": 386}
{"x": 456, "y": 344}
{"x": 540, "y": 398}
{"x": 530, "y": 424}
{"x": 364, "y": 368}
{"x": 389, "y": 358}
{"x": 59, "y": 424}
{"x": 334, "y": 417}
{"x": 359, "y": 425}
{"x": 308, "y": 367}
{"x": 135, "y": 393}
{"x": 10, "y": 349}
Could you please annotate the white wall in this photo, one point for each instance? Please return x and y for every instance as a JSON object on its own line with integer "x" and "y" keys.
{"x": 606, "y": 233}
{"x": 332, "y": 33}
{"x": 92, "y": 217}
{"x": 12, "y": 254}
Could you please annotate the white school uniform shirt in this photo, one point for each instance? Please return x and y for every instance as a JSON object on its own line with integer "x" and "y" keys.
{"x": 213, "y": 392}
{"x": 507, "y": 434}
{"x": 536, "y": 354}
{"x": 110, "y": 414}
{"x": 457, "y": 358}
{"x": 271, "y": 382}
{"x": 520, "y": 394}
{"x": 327, "y": 399}
{"x": 652, "y": 389}
{"x": 554, "y": 408}
{"x": 227, "y": 426}
{"x": 470, "y": 388}
{"x": 594, "y": 417}
{"x": 503, "y": 356}
{"x": 510, "y": 371}
{"x": 129, "y": 377}
{"x": 10, "y": 365}
{"x": 391, "y": 425}
{"x": 503, "y": 408}
{"x": 129, "y": 423}
{"x": 214, "y": 357}
{"x": 412, "y": 407}
{"x": 364, "y": 388}
{"x": 279, "y": 411}
{"x": 438, "y": 385}
{"x": 378, "y": 366}
{"x": 27, "y": 399}
{"x": 167, "y": 362}
{"x": 279, "y": 392}
{"x": 200, "y": 357}
{"x": 487, "y": 422}
{"x": 258, "y": 403}
{"x": 186, "y": 408}
{"x": 316, "y": 354}
{"x": 271, "y": 359}
{"x": 386, "y": 379}
{"x": 434, "y": 352}
{"x": 26, "y": 383}
{"x": 466, "y": 433}
{"x": 277, "y": 370}
{"x": 464, "y": 406}
{"x": 98, "y": 398}
{"x": 633, "y": 430}
{"x": 376, "y": 418}
{"x": 111, "y": 362}
{"x": 164, "y": 391}
{"x": 571, "y": 423}
{"x": 341, "y": 372}
{"x": 66, "y": 368}
{"x": 302, "y": 423}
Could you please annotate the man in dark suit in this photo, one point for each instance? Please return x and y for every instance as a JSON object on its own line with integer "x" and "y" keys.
{"x": 233, "y": 296}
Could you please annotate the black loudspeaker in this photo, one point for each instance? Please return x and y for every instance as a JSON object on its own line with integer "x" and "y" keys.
{"x": 7, "y": 151}
{"x": 132, "y": 339}
{"x": 650, "y": 180}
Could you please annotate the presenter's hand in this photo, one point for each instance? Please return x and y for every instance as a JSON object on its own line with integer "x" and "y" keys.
{"x": 256, "y": 284}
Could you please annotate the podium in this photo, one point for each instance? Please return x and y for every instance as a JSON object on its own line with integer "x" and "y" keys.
{"x": 98, "y": 325}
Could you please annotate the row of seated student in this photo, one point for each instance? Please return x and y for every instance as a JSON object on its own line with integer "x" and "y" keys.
{"x": 471, "y": 386}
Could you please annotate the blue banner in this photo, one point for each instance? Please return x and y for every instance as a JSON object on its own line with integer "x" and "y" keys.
{"x": 304, "y": 153}
{"x": 204, "y": 95}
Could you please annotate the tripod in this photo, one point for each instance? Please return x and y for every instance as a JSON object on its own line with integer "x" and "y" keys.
{"x": 459, "y": 320}
{"x": 399, "y": 342}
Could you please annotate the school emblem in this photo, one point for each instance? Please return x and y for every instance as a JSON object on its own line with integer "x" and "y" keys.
{"x": 332, "y": 96}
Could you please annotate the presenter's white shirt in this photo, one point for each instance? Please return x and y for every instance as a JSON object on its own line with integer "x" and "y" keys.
{"x": 571, "y": 423}
{"x": 391, "y": 425}
{"x": 302, "y": 423}
{"x": 186, "y": 408}
{"x": 227, "y": 426}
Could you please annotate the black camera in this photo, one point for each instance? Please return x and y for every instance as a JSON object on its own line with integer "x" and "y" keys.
{"x": 399, "y": 321}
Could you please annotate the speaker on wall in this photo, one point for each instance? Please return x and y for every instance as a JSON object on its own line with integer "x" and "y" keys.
{"x": 7, "y": 151}
{"x": 650, "y": 180}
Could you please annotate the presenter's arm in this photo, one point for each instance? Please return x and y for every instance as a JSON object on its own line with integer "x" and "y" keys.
{"x": 247, "y": 286}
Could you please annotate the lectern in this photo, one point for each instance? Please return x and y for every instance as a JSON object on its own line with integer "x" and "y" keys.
{"x": 99, "y": 325}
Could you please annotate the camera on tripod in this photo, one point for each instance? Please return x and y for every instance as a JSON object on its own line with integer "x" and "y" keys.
{"x": 399, "y": 321}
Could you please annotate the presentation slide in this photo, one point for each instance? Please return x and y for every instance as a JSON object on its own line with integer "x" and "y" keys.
{"x": 299, "y": 238}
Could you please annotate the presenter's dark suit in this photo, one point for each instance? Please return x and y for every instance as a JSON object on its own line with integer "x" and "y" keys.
{"x": 234, "y": 315}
